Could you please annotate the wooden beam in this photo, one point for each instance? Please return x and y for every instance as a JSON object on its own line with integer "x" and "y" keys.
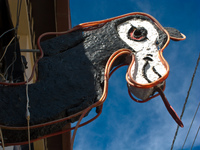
{"x": 39, "y": 145}
{"x": 59, "y": 142}
{"x": 63, "y": 17}
{"x": 66, "y": 138}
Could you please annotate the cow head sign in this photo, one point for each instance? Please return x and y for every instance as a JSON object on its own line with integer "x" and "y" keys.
{"x": 74, "y": 69}
{"x": 147, "y": 40}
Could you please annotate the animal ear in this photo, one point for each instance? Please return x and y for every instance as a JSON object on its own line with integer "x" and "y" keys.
{"x": 175, "y": 34}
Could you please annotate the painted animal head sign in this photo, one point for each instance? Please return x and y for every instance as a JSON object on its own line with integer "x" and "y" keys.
{"x": 74, "y": 69}
{"x": 146, "y": 40}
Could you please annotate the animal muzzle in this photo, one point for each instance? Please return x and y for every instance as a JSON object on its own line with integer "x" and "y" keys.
{"x": 146, "y": 77}
{"x": 145, "y": 73}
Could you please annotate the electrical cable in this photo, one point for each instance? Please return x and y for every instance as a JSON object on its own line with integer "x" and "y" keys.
{"x": 107, "y": 70}
{"x": 14, "y": 59}
{"x": 109, "y": 64}
{"x": 188, "y": 93}
{"x": 2, "y": 140}
{"x": 27, "y": 111}
{"x": 19, "y": 5}
{"x": 29, "y": 134}
{"x": 18, "y": 13}
{"x": 2, "y": 76}
{"x": 14, "y": 37}
{"x": 15, "y": 28}
{"x": 58, "y": 133}
{"x": 190, "y": 126}
{"x": 6, "y": 49}
{"x": 195, "y": 138}
{"x": 6, "y": 32}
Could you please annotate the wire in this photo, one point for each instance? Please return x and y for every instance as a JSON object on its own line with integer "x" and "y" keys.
{"x": 6, "y": 49}
{"x": 107, "y": 74}
{"x": 16, "y": 30}
{"x": 188, "y": 93}
{"x": 17, "y": 22}
{"x": 2, "y": 76}
{"x": 190, "y": 125}
{"x": 195, "y": 138}
{"x": 29, "y": 135}
{"x": 14, "y": 59}
{"x": 30, "y": 50}
{"x": 27, "y": 110}
{"x": 19, "y": 5}
{"x": 28, "y": 114}
{"x": 2, "y": 140}
{"x": 6, "y": 32}
{"x": 4, "y": 55}
{"x": 77, "y": 125}
{"x": 58, "y": 133}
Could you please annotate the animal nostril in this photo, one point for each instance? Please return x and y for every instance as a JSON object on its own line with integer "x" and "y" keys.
{"x": 147, "y": 59}
{"x": 150, "y": 55}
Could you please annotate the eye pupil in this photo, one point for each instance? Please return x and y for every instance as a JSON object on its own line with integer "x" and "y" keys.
{"x": 138, "y": 34}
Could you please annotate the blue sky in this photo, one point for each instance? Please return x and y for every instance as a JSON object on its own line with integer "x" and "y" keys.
{"x": 125, "y": 124}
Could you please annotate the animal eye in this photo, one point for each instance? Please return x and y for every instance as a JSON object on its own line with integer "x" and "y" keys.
{"x": 137, "y": 34}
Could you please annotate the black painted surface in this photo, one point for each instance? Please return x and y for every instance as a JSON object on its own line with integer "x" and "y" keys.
{"x": 70, "y": 79}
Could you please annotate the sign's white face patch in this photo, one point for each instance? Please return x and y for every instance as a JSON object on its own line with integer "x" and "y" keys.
{"x": 152, "y": 34}
{"x": 141, "y": 36}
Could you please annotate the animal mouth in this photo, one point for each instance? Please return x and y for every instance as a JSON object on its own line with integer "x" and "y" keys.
{"x": 147, "y": 71}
